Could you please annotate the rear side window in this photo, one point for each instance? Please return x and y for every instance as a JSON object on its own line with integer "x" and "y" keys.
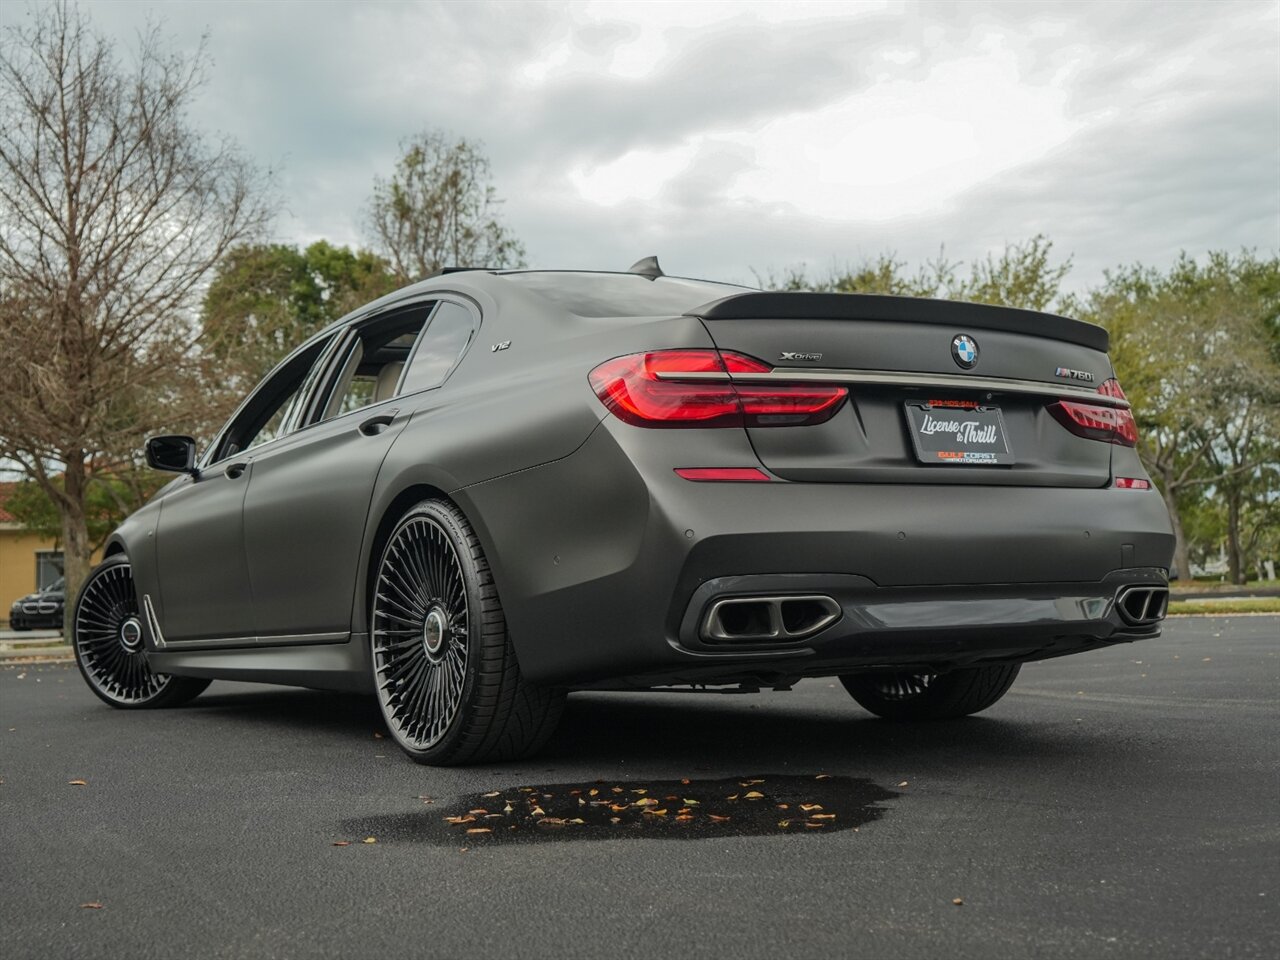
{"x": 440, "y": 347}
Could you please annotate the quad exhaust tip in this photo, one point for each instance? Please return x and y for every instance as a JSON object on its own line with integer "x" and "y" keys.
{"x": 785, "y": 619}
{"x": 1141, "y": 606}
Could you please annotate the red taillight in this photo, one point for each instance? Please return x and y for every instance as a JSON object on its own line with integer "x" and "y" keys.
{"x": 1110, "y": 424}
{"x": 1132, "y": 483}
{"x": 647, "y": 389}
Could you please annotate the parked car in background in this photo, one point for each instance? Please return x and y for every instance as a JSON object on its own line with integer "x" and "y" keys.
{"x": 41, "y": 610}
{"x": 491, "y": 488}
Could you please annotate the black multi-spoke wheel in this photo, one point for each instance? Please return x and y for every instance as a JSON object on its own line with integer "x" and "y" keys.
{"x": 109, "y": 645}
{"x": 446, "y": 675}
{"x": 931, "y": 696}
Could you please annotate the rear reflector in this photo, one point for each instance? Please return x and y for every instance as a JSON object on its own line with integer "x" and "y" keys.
{"x": 646, "y": 389}
{"x": 1132, "y": 483}
{"x": 724, "y": 474}
{"x": 1109, "y": 424}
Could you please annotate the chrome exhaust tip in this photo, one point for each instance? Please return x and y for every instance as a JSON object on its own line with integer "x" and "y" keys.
{"x": 1142, "y": 606}
{"x": 762, "y": 620}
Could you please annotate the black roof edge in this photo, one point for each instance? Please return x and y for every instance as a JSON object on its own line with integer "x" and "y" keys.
{"x": 861, "y": 306}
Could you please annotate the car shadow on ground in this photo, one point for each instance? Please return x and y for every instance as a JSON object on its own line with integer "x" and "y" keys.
{"x": 705, "y": 733}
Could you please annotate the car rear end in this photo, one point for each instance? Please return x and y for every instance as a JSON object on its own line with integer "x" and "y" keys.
{"x": 842, "y": 483}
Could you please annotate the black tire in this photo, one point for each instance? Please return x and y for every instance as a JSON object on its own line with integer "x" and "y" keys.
{"x": 924, "y": 696}
{"x": 15, "y": 626}
{"x": 109, "y": 646}
{"x": 444, "y": 668}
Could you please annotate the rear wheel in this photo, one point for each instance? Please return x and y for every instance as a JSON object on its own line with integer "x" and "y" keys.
{"x": 931, "y": 696}
{"x": 446, "y": 673}
{"x": 109, "y": 647}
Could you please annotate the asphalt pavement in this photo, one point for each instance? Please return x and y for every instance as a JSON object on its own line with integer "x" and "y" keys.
{"x": 1115, "y": 804}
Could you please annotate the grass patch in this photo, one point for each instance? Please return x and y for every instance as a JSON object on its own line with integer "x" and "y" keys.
{"x": 1226, "y": 607}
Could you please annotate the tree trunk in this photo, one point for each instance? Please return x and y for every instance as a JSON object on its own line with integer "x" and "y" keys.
{"x": 1181, "y": 557}
{"x": 76, "y": 548}
{"x": 1235, "y": 564}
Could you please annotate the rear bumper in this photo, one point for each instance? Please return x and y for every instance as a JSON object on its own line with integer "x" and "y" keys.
{"x": 605, "y": 565}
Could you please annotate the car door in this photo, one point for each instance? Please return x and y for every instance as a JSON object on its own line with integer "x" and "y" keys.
{"x": 203, "y": 578}
{"x": 308, "y": 498}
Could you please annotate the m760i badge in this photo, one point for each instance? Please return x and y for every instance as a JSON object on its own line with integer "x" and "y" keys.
{"x": 1073, "y": 374}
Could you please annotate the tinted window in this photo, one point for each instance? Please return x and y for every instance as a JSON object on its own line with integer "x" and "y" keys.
{"x": 622, "y": 294}
{"x": 441, "y": 347}
{"x": 374, "y": 362}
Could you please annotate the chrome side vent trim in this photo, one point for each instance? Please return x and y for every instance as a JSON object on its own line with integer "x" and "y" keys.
{"x": 766, "y": 620}
{"x": 1142, "y": 606}
{"x": 153, "y": 623}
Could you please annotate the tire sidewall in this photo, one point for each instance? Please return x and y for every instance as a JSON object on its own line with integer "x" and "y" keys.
{"x": 444, "y": 517}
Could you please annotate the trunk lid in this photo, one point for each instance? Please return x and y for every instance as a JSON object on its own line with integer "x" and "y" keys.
{"x": 932, "y": 384}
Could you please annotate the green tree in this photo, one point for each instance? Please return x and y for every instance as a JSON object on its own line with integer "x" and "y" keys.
{"x": 1194, "y": 349}
{"x": 109, "y": 498}
{"x": 438, "y": 208}
{"x": 265, "y": 299}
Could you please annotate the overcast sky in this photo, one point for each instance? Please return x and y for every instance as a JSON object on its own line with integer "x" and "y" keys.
{"x": 731, "y": 136}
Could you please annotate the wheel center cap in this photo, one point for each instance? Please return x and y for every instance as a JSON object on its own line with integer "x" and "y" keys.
{"x": 435, "y": 631}
{"x": 131, "y": 635}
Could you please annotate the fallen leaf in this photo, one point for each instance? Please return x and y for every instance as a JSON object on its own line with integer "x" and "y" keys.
{"x": 684, "y": 780}
{"x": 646, "y": 802}
{"x": 496, "y": 793}
{"x": 716, "y": 818}
{"x": 377, "y": 736}
{"x": 806, "y": 807}
{"x": 369, "y": 840}
{"x": 682, "y": 811}
{"x": 958, "y": 902}
{"x": 551, "y": 822}
{"x": 813, "y": 826}
{"x": 617, "y": 790}
{"x": 91, "y": 905}
{"x": 823, "y": 776}
{"x": 537, "y": 812}
{"x": 754, "y": 795}
{"x": 493, "y": 816}
{"x": 593, "y": 792}
{"x": 639, "y": 791}
{"x": 690, "y": 803}
{"x": 581, "y": 802}
{"x": 656, "y": 813}
{"x": 748, "y": 783}
{"x": 684, "y": 817}
{"x": 615, "y": 819}
{"x": 526, "y": 789}
{"x": 822, "y": 816}
{"x": 574, "y": 793}
{"x": 784, "y": 806}
{"x": 78, "y": 783}
{"x": 903, "y": 783}
{"x": 617, "y": 807}
{"x": 478, "y": 812}
{"x": 479, "y": 830}
{"x": 458, "y": 820}
{"x": 733, "y": 797}
{"x": 507, "y": 809}
{"x": 784, "y": 824}
{"x": 576, "y": 820}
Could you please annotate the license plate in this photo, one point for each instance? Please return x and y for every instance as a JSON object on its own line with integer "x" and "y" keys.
{"x": 958, "y": 433}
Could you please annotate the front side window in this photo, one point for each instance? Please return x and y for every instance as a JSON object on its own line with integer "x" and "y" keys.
{"x": 272, "y": 408}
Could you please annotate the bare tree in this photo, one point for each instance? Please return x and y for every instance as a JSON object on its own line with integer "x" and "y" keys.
{"x": 439, "y": 209}
{"x": 113, "y": 212}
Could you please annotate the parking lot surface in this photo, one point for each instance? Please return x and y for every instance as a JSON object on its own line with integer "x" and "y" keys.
{"x": 1115, "y": 804}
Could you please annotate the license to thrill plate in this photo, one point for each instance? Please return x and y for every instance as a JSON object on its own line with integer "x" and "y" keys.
{"x": 958, "y": 433}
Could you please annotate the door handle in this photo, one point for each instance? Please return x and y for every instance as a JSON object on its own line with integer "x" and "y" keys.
{"x": 375, "y": 425}
{"x": 235, "y": 471}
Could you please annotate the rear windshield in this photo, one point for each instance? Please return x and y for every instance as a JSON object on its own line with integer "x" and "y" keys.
{"x": 622, "y": 294}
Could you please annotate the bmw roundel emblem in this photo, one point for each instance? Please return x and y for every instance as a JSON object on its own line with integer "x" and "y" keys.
{"x": 965, "y": 351}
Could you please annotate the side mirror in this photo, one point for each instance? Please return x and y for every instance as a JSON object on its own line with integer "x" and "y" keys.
{"x": 172, "y": 453}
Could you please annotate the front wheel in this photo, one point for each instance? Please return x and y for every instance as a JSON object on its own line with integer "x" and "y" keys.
{"x": 109, "y": 646}
{"x": 448, "y": 682}
{"x": 931, "y": 696}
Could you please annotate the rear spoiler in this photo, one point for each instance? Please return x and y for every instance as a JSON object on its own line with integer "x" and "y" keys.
{"x": 861, "y": 306}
